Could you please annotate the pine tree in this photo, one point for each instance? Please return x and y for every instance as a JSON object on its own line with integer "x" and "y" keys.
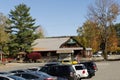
{"x": 22, "y": 29}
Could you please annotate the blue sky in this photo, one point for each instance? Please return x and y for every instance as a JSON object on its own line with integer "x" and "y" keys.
{"x": 57, "y": 17}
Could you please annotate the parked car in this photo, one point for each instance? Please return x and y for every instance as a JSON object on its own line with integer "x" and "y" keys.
{"x": 44, "y": 76}
{"x": 16, "y": 77}
{"x": 34, "y": 69}
{"x": 52, "y": 63}
{"x": 81, "y": 71}
{"x": 63, "y": 71}
{"x": 97, "y": 54}
{"x": 5, "y": 77}
{"x": 28, "y": 76}
{"x": 18, "y": 71}
{"x": 36, "y": 76}
{"x": 4, "y": 73}
{"x": 69, "y": 62}
{"x": 91, "y": 68}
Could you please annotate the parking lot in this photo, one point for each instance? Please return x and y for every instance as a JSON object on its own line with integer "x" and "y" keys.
{"x": 107, "y": 70}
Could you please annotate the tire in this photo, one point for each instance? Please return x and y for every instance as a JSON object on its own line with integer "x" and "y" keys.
{"x": 76, "y": 78}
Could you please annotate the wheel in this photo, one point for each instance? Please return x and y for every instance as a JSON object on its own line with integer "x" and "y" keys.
{"x": 76, "y": 78}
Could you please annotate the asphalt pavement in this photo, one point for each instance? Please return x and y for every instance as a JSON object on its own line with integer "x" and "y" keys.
{"x": 107, "y": 70}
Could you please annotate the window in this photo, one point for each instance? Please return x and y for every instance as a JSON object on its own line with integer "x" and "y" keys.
{"x": 29, "y": 76}
{"x": 3, "y": 78}
{"x": 79, "y": 67}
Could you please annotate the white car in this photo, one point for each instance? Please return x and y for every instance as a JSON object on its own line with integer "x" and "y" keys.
{"x": 81, "y": 71}
{"x": 98, "y": 54}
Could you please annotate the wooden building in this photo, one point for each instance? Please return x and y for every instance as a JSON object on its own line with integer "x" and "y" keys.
{"x": 60, "y": 48}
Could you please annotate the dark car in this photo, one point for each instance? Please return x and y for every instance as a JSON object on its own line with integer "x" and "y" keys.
{"x": 4, "y": 73}
{"x": 64, "y": 71}
{"x": 27, "y": 76}
{"x": 10, "y": 77}
{"x": 18, "y": 71}
{"x": 36, "y": 75}
{"x": 16, "y": 77}
{"x": 52, "y": 63}
{"x": 91, "y": 67}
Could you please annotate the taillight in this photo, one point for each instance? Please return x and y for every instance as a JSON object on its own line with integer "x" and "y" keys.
{"x": 94, "y": 67}
{"x": 83, "y": 71}
{"x": 48, "y": 79}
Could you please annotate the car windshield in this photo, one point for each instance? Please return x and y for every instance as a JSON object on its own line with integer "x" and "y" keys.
{"x": 16, "y": 77}
{"x": 66, "y": 61}
{"x": 79, "y": 67}
{"x": 43, "y": 74}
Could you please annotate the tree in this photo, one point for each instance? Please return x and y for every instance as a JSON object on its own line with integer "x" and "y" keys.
{"x": 104, "y": 13}
{"x": 22, "y": 29}
{"x": 117, "y": 29}
{"x": 89, "y": 33}
{"x": 112, "y": 40}
{"x": 4, "y": 36}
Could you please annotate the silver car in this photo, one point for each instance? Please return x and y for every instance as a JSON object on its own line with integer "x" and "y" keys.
{"x": 35, "y": 75}
{"x": 10, "y": 77}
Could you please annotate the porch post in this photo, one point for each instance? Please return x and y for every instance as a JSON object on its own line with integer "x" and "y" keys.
{"x": 72, "y": 55}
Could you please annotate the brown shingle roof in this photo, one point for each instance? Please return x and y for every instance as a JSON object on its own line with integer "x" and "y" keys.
{"x": 48, "y": 44}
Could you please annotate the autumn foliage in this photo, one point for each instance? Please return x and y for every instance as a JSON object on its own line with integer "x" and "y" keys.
{"x": 112, "y": 43}
{"x": 91, "y": 37}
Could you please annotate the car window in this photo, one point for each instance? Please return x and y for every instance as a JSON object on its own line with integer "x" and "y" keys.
{"x": 66, "y": 61}
{"x": 79, "y": 67}
{"x": 90, "y": 65}
{"x": 29, "y": 76}
{"x": 12, "y": 71}
{"x": 64, "y": 69}
{"x": 16, "y": 77}
{"x": 3, "y": 78}
{"x": 44, "y": 69}
{"x": 17, "y": 71}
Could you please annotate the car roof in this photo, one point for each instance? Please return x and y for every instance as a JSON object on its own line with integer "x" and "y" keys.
{"x": 6, "y": 77}
{"x": 16, "y": 77}
{"x": 42, "y": 73}
{"x": 52, "y": 63}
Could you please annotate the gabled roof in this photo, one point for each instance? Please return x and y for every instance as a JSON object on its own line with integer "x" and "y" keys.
{"x": 48, "y": 44}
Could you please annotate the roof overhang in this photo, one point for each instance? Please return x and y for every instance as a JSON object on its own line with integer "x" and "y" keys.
{"x": 59, "y": 50}
{"x": 67, "y": 50}
{"x": 43, "y": 49}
